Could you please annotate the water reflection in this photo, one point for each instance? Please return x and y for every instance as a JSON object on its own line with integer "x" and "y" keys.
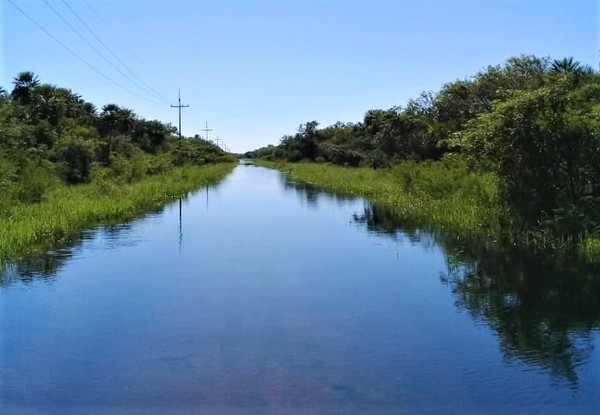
{"x": 46, "y": 264}
{"x": 543, "y": 309}
{"x": 310, "y": 196}
{"x": 48, "y": 260}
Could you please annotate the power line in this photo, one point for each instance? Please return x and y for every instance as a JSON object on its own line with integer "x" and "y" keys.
{"x": 123, "y": 42}
{"x": 77, "y": 56}
{"x": 148, "y": 87}
{"x": 92, "y": 46}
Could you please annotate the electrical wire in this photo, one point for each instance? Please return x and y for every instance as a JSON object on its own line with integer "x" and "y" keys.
{"x": 92, "y": 67}
{"x": 123, "y": 42}
{"x": 148, "y": 87}
{"x": 91, "y": 45}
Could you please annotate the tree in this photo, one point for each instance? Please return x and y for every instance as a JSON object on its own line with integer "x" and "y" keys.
{"x": 76, "y": 153}
{"x": 150, "y": 135}
{"x": 565, "y": 66}
{"x": 48, "y": 104}
{"x": 24, "y": 84}
{"x": 115, "y": 120}
{"x": 545, "y": 151}
{"x": 308, "y": 135}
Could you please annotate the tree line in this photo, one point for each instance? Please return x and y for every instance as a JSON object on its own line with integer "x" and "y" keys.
{"x": 534, "y": 122}
{"x": 50, "y": 134}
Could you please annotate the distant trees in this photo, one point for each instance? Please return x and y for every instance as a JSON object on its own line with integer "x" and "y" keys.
{"x": 51, "y": 132}
{"x": 533, "y": 121}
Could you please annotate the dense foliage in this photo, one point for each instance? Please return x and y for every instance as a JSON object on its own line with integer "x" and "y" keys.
{"x": 532, "y": 121}
{"x": 64, "y": 165}
{"x": 50, "y": 135}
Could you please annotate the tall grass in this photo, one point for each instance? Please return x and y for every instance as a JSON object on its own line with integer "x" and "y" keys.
{"x": 441, "y": 194}
{"x": 445, "y": 194}
{"x": 66, "y": 209}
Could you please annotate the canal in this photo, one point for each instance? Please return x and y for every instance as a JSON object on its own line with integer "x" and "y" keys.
{"x": 259, "y": 295}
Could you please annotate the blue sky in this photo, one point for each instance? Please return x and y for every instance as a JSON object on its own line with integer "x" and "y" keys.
{"x": 255, "y": 70}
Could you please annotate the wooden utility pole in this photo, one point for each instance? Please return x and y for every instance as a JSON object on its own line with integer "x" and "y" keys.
{"x": 179, "y": 106}
{"x": 207, "y": 130}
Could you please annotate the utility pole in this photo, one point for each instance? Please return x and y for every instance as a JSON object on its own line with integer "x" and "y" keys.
{"x": 207, "y": 130}
{"x": 217, "y": 140}
{"x": 180, "y": 107}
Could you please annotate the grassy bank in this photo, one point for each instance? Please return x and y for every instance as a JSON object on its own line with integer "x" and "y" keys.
{"x": 66, "y": 209}
{"x": 443, "y": 194}
{"x": 440, "y": 194}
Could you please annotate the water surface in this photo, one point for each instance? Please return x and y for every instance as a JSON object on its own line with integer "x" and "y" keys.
{"x": 264, "y": 296}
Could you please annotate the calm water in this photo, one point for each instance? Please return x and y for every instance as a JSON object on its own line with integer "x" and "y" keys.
{"x": 267, "y": 297}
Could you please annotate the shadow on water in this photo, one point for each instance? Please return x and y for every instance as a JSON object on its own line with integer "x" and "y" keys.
{"x": 543, "y": 309}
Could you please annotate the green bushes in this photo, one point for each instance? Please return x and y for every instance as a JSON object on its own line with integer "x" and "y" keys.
{"x": 76, "y": 156}
{"x": 544, "y": 147}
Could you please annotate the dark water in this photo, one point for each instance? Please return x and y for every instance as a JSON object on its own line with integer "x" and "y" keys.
{"x": 268, "y": 297}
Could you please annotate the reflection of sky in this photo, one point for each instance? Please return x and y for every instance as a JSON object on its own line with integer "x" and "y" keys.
{"x": 265, "y": 302}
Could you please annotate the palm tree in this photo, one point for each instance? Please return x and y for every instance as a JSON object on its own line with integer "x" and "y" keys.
{"x": 48, "y": 104}
{"x": 25, "y": 83}
{"x": 115, "y": 119}
{"x": 566, "y": 66}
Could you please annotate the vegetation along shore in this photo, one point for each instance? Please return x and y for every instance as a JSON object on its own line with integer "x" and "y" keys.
{"x": 512, "y": 152}
{"x": 66, "y": 166}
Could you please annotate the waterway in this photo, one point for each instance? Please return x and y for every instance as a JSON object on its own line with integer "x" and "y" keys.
{"x": 258, "y": 295}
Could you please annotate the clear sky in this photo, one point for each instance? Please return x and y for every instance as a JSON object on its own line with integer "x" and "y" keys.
{"x": 256, "y": 69}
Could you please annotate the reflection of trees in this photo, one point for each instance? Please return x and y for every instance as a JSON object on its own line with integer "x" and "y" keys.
{"x": 543, "y": 308}
{"x": 47, "y": 260}
{"x": 42, "y": 265}
{"x": 49, "y": 257}
{"x": 313, "y": 195}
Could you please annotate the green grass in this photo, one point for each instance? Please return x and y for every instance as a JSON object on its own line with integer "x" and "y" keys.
{"x": 67, "y": 209}
{"x": 444, "y": 194}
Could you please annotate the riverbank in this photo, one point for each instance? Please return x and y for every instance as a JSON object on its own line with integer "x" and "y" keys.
{"x": 66, "y": 208}
{"x": 442, "y": 194}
